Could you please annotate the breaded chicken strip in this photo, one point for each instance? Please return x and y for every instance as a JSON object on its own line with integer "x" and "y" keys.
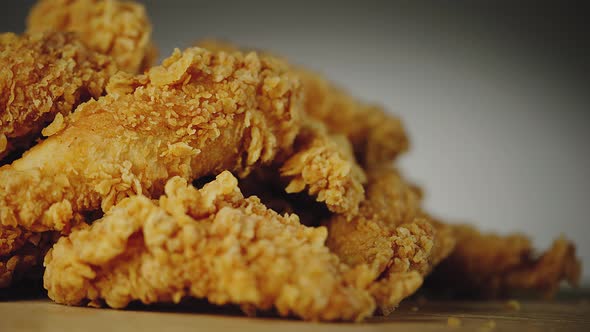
{"x": 321, "y": 169}
{"x": 324, "y": 166}
{"x": 41, "y": 76}
{"x": 391, "y": 235}
{"x": 377, "y": 136}
{"x": 120, "y": 29}
{"x": 490, "y": 265}
{"x": 197, "y": 114}
{"x": 210, "y": 243}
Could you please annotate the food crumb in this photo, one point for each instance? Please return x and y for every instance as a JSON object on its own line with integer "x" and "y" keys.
{"x": 414, "y": 309}
{"x": 513, "y": 305}
{"x": 3, "y": 142}
{"x": 54, "y": 127}
{"x": 453, "y": 322}
{"x": 421, "y": 300}
{"x": 487, "y": 326}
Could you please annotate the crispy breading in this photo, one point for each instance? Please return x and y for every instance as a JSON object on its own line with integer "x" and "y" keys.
{"x": 324, "y": 166}
{"x": 377, "y": 136}
{"x": 321, "y": 168}
{"x": 22, "y": 252}
{"x": 197, "y": 114}
{"x": 210, "y": 243}
{"x": 491, "y": 265}
{"x": 120, "y": 29}
{"x": 12, "y": 238}
{"x": 42, "y": 75}
{"x": 389, "y": 203}
{"x": 392, "y": 235}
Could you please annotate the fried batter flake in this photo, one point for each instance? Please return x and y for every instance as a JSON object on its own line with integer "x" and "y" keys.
{"x": 120, "y": 29}
{"x": 210, "y": 243}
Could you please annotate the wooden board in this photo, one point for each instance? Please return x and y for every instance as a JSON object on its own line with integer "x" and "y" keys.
{"x": 43, "y": 315}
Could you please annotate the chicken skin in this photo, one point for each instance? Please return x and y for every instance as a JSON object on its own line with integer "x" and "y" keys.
{"x": 210, "y": 243}
{"x": 197, "y": 114}
{"x": 120, "y": 29}
{"x": 43, "y": 76}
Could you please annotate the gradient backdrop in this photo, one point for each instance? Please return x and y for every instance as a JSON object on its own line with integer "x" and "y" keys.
{"x": 495, "y": 97}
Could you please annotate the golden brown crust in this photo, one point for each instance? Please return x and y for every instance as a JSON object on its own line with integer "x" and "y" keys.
{"x": 120, "y": 29}
{"x": 197, "y": 114}
{"x": 377, "y": 136}
{"x": 490, "y": 265}
{"x": 42, "y": 75}
{"x": 392, "y": 236}
{"x": 323, "y": 163}
{"x": 210, "y": 243}
{"x": 12, "y": 238}
{"x": 324, "y": 166}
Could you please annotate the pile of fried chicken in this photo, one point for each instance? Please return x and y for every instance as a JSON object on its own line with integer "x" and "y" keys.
{"x": 220, "y": 174}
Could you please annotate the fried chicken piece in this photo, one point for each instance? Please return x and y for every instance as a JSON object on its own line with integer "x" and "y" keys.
{"x": 321, "y": 168}
{"x": 210, "y": 243}
{"x": 197, "y": 114}
{"x": 324, "y": 165}
{"x": 43, "y": 76}
{"x": 377, "y": 136}
{"x": 490, "y": 265}
{"x": 392, "y": 235}
{"x": 120, "y": 29}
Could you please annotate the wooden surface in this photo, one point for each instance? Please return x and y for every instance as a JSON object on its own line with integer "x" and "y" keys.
{"x": 43, "y": 315}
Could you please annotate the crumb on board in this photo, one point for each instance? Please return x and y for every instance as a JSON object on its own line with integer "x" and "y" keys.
{"x": 512, "y": 305}
{"x": 488, "y": 326}
{"x": 453, "y": 322}
{"x": 421, "y": 300}
{"x": 414, "y": 309}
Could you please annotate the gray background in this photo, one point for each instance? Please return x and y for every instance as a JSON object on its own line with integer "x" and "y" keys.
{"x": 495, "y": 97}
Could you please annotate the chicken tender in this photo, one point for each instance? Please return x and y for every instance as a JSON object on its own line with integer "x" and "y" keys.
{"x": 377, "y": 136}
{"x": 120, "y": 29}
{"x": 195, "y": 115}
{"x": 490, "y": 265}
{"x": 210, "y": 243}
{"x": 43, "y": 76}
{"x": 392, "y": 236}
